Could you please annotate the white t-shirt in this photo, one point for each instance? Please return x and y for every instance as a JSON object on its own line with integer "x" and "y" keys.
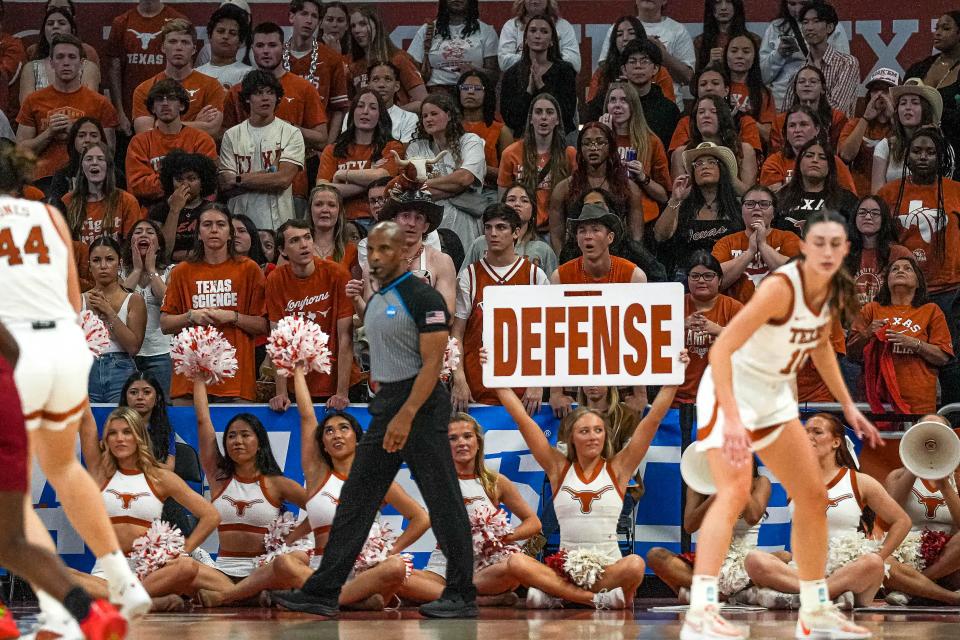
{"x": 446, "y": 55}
{"x": 465, "y": 291}
{"x": 228, "y": 75}
{"x": 248, "y": 149}
{"x": 511, "y": 44}
{"x": 206, "y": 55}
{"x": 404, "y": 124}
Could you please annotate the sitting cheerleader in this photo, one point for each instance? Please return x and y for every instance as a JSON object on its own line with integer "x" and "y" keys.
{"x": 134, "y": 487}
{"x": 327, "y": 453}
{"x": 855, "y": 564}
{"x": 676, "y": 570}
{"x": 927, "y": 564}
{"x": 588, "y": 486}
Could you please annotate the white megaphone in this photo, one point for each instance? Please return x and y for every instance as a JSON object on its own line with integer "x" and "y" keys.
{"x": 695, "y": 470}
{"x": 930, "y": 450}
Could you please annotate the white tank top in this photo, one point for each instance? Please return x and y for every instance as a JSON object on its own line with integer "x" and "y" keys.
{"x": 131, "y": 499}
{"x": 245, "y": 505}
{"x": 33, "y": 269}
{"x": 844, "y": 505}
{"x": 121, "y": 315}
{"x": 777, "y": 351}
{"x": 750, "y": 534}
{"x": 474, "y": 495}
{"x": 588, "y": 509}
{"x": 927, "y": 508}
{"x": 322, "y": 505}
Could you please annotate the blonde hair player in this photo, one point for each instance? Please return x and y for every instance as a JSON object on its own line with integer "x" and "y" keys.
{"x": 747, "y": 402}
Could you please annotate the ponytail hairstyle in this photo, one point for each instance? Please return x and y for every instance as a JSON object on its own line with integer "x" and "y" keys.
{"x": 843, "y": 456}
{"x": 486, "y": 477}
{"x": 844, "y": 303}
{"x": 943, "y": 169}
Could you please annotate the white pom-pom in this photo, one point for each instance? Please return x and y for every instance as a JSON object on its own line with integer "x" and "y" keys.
{"x": 586, "y": 566}
{"x": 377, "y": 547}
{"x": 296, "y": 341}
{"x": 909, "y": 551}
{"x": 96, "y": 333}
{"x": 451, "y": 359}
{"x": 203, "y": 352}
{"x": 733, "y": 575}
{"x": 844, "y": 549}
{"x": 275, "y": 539}
{"x": 161, "y": 543}
{"x": 489, "y": 527}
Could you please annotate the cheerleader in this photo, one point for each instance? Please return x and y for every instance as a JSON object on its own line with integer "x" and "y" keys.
{"x": 588, "y": 485}
{"x": 327, "y": 452}
{"x": 932, "y": 506}
{"x": 134, "y": 486}
{"x": 854, "y": 563}
{"x": 246, "y": 484}
{"x": 747, "y": 402}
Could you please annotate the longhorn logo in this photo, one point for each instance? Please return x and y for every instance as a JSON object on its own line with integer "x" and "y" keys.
{"x": 144, "y": 38}
{"x": 586, "y": 498}
{"x": 331, "y": 497}
{"x": 932, "y": 503}
{"x": 126, "y": 499}
{"x": 924, "y": 219}
{"x": 471, "y": 500}
{"x": 835, "y": 502}
{"x": 241, "y": 505}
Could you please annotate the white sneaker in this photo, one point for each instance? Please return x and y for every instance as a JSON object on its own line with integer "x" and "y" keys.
{"x": 613, "y": 599}
{"x": 537, "y": 599}
{"x": 49, "y": 628}
{"x": 828, "y": 623}
{"x": 845, "y": 601}
{"x": 747, "y": 596}
{"x": 771, "y": 599}
{"x": 708, "y": 624}
{"x": 683, "y": 595}
{"x": 131, "y": 598}
{"x": 897, "y": 599}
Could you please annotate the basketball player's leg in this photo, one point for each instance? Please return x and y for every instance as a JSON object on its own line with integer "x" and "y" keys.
{"x": 716, "y": 531}
{"x": 670, "y": 568}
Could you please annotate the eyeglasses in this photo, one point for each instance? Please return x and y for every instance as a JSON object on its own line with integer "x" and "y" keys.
{"x": 706, "y": 276}
{"x": 170, "y": 98}
{"x": 594, "y": 144}
{"x": 706, "y": 162}
{"x": 471, "y": 88}
{"x": 868, "y": 213}
{"x": 757, "y": 204}
{"x": 640, "y": 62}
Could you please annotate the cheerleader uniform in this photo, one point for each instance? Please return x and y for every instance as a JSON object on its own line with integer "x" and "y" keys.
{"x": 733, "y": 576}
{"x": 243, "y": 505}
{"x": 588, "y": 509}
{"x": 474, "y": 496}
{"x": 927, "y": 508}
{"x": 130, "y": 498}
{"x": 321, "y": 507}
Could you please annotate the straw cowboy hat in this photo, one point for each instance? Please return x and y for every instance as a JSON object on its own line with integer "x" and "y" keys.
{"x": 722, "y": 154}
{"x": 915, "y": 87}
{"x": 597, "y": 213}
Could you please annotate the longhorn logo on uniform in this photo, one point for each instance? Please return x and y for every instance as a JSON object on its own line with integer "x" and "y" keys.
{"x": 835, "y": 502}
{"x": 932, "y": 503}
{"x": 472, "y": 499}
{"x": 586, "y": 498}
{"x": 331, "y": 497}
{"x": 242, "y": 505}
{"x": 126, "y": 499}
{"x": 144, "y": 38}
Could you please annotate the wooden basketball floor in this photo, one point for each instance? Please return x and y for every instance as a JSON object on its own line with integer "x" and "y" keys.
{"x": 498, "y": 624}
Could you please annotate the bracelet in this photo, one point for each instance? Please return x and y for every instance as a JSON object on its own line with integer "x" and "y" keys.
{"x": 645, "y": 181}
{"x": 674, "y": 206}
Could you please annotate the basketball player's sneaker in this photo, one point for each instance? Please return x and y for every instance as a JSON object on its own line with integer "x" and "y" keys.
{"x": 103, "y": 622}
{"x": 130, "y": 596}
{"x": 537, "y": 599}
{"x": 826, "y": 622}
{"x": 8, "y": 626}
{"x": 708, "y": 624}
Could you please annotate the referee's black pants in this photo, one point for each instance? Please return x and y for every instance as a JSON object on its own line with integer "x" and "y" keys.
{"x": 427, "y": 453}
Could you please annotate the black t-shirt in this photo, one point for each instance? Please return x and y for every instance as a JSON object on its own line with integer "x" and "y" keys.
{"x": 186, "y": 225}
{"x": 793, "y": 216}
{"x": 696, "y": 236}
{"x": 662, "y": 115}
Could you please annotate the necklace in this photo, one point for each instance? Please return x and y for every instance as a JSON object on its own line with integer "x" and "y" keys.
{"x": 414, "y": 257}
{"x": 311, "y": 76}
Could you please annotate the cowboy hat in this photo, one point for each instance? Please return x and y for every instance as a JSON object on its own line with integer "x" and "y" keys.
{"x": 722, "y": 154}
{"x": 915, "y": 87}
{"x": 415, "y": 199}
{"x": 597, "y": 213}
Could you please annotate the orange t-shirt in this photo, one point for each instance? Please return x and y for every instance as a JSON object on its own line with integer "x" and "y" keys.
{"x": 410, "y": 77}
{"x": 656, "y": 166}
{"x": 917, "y": 378}
{"x": 662, "y": 79}
{"x": 235, "y": 285}
{"x": 135, "y": 40}
{"x": 359, "y": 156}
{"x": 127, "y": 214}
{"x": 918, "y": 227}
{"x": 40, "y": 105}
{"x": 838, "y": 120}
{"x": 810, "y": 386}
{"x": 777, "y": 168}
{"x": 30, "y": 192}
{"x": 204, "y": 91}
{"x": 869, "y": 277}
{"x": 511, "y": 170}
{"x": 862, "y": 165}
{"x": 81, "y": 256}
{"x": 572, "y": 272}
{"x": 12, "y": 58}
{"x": 148, "y": 149}
{"x": 698, "y": 343}
{"x": 740, "y": 99}
{"x": 729, "y": 247}
{"x": 329, "y": 79}
{"x": 490, "y": 136}
{"x": 314, "y": 297}
{"x": 749, "y": 133}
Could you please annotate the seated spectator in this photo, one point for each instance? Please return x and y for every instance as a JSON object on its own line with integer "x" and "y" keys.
{"x": 216, "y": 287}
{"x": 384, "y": 78}
{"x": 723, "y": 20}
{"x": 812, "y": 187}
{"x": 376, "y": 198}
{"x": 540, "y": 70}
{"x": 511, "y": 36}
{"x": 46, "y": 115}
{"x": 712, "y": 122}
{"x": 167, "y": 101}
{"x": 541, "y": 158}
{"x": 703, "y": 207}
{"x": 748, "y": 93}
{"x": 810, "y": 386}
{"x": 145, "y": 272}
{"x": 641, "y": 152}
{"x": 641, "y": 64}
{"x": 205, "y": 112}
{"x": 228, "y": 30}
{"x": 454, "y": 42}
{"x": 268, "y": 240}
{"x": 260, "y": 157}
{"x": 477, "y": 97}
{"x": 706, "y": 312}
{"x": 873, "y": 246}
{"x": 83, "y": 132}
{"x": 354, "y": 232}
{"x": 361, "y": 154}
{"x": 188, "y": 179}
{"x": 204, "y": 56}
{"x": 328, "y": 221}
{"x": 246, "y": 240}
{"x": 818, "y": 20}
{"x": 12, "y": 58}
{"x": 125, "y": 316}
{"x": 800, "y": 126}
{"x": 38, "y": 72}
{"x": 903, "y": 328}
{"x": 334, "y": 29}
{"x": 147, "y": 396}
{"x": 861, "y": 135}
{"x": 749, "y": 256}
{"x": 522, "y": 199}
{"x": 915, "y": 105}
{"x": 96, "y": 207}
{"x": 809, "y": 88}
{"x": 370, "y": 43}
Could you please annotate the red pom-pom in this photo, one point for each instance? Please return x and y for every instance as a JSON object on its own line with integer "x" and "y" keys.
{"x": 557, "y": 562}
{"x": 296, "y": 341}
{"x": 203, "y": 352}
{"x": 96, "y": 333}
{"x": 931, "y": 545}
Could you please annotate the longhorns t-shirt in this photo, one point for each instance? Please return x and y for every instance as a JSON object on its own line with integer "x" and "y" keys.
{"x": 698, "y": 343}
{"x": 359, "y": 156}
{"x": 148, "y": 149}
{"x": 511, "y": 170}
{"x": 729, "y": 247}
{"x": 203, "y": 90}
{"x": 127, "y": 214}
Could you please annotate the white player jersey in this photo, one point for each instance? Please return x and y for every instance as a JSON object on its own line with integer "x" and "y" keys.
{"x": 927, "y": 508}
{"x": 777, "y": 351}
{"x": 33, "y": 264}
{"x": 588, "y": 509}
